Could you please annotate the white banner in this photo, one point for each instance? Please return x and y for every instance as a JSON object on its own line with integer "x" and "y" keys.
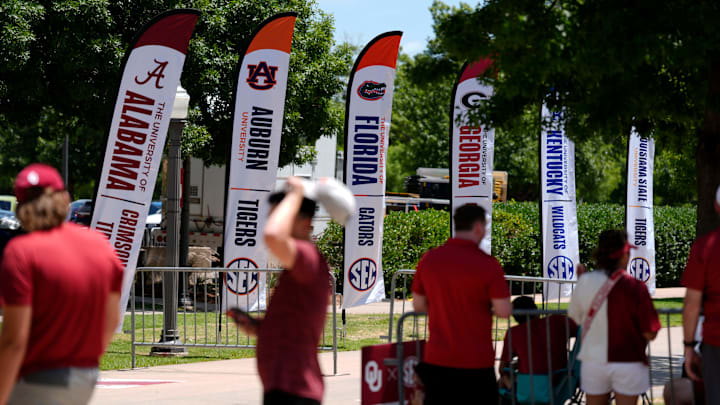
{"x": 471, "y": 149}
{"x": 561, "y": 252}
{"x": 639, "y": 210}
{"x": 257, "y": 130}
{"x": 137, "y": 135}
{"x": 367, "y": 131}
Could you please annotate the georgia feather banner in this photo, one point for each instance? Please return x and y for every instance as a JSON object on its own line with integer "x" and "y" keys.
{"x": 561, "y": 252}
{"x": 367, "y": 130}
{"x": 471, "y": 148}
{"x": 639, "y": 209}
{"x": 257, "y": 130}
{"x": 135, "y": 143}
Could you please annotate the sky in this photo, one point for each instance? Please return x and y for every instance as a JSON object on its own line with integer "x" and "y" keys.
{"x": 359, "y": 21}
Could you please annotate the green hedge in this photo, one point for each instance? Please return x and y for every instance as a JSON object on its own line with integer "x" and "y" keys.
{"x": 516, "y": 240}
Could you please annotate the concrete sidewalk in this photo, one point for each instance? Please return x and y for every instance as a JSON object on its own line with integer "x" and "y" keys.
{"x": 217, "y": 382}
{"x": 237, "y": 382}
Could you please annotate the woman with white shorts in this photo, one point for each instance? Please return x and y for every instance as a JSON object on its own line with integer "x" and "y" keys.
{"x": 618, "y": 319}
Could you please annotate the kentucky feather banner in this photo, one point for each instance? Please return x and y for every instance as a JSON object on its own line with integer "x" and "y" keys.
{"x": 561, "y": 252}
{"x": 367, "y": 131}
{"x": 135, "y": 143}
{"x": 257, "y": 130}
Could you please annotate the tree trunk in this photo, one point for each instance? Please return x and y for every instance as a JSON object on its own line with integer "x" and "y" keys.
{"x": 708, "y": 156}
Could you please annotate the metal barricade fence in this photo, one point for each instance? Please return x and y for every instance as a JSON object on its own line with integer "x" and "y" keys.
{"x": 664, "y": 368}
{"x": 201, "y": 323}
{"x": 523, "y": 285}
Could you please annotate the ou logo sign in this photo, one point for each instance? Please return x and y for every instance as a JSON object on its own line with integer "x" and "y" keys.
{"x": 373, "y": 376}
{"x": 640, "y": 269}
{"x": 362, "y": 274}
{"x": 561, "y": 267}
{"x": 240, "y": 282}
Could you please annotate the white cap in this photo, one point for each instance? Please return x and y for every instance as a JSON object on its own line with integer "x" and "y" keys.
{"x": 333, "y": 195}
{"x": 717, "y": 195}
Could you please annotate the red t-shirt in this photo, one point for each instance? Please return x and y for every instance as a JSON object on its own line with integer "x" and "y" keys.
{"x": 290, "y": 333}
{"x": 459, "y": 280}
{"x": 703, "y": 273}
{"x": 630, "y": 313}
{"x": 65, "y": 274}
{"x": 561, "y": 330}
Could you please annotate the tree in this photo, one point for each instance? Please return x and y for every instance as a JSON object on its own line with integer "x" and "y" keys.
{"x": 610, "y": 64}
{"x": 60, "y": 68}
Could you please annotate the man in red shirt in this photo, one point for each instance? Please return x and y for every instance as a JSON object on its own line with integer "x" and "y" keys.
{"x": 702, "y": 280}
{"x": 60, "y": 291}
{"x": 560, "y": 328}
{"x": 288, "y": 336}
{"x": 458, "y": 284}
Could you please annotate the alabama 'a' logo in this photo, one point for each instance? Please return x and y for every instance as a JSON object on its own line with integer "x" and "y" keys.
{"x": 262, "y": 76}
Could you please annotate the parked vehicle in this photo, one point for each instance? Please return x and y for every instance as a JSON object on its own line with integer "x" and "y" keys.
{"x": 80, "y": 212}
{"x": 8, "y": 202}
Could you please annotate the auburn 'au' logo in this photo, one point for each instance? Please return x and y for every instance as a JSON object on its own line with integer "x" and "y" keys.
{"x": 370, "y": 90}
{"x": 262, "y": 76}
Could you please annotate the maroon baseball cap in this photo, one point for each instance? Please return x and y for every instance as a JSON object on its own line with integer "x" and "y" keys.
{"x": 36, "y": 175}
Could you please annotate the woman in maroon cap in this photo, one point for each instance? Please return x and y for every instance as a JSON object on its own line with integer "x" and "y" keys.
{"x": 613, "y": 358}
{"x": 60, "y": 291}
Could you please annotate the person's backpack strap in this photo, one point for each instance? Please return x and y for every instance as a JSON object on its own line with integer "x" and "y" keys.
{"x": 598, "y": 300}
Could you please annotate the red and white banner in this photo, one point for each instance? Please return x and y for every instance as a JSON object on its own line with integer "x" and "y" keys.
{"x": 257, "y": 129}
{"x": 367, "y": 133}
{"x": 380, "y": 381}
{"x": 639, "y": 209}
{"x": 151, "y": 75}
{"x": 471, "y": 148}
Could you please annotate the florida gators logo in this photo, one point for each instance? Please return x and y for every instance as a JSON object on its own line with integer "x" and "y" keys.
{"x": 264, "y": 72}
{"x": 370, "y": 90}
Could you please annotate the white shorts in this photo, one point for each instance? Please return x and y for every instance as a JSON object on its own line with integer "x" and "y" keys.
{"x": 622, "y": 378}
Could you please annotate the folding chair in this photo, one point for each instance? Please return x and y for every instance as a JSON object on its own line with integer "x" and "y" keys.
{"x": 535, "y": 388}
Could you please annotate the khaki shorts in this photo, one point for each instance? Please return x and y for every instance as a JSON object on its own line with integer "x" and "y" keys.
{"x": 65, "y": 386}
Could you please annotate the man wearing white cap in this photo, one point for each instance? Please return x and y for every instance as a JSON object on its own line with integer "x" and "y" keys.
{"x": 60, "y": 290}
{"x": 702, "y": 280}
{"x": 288, "y": 336}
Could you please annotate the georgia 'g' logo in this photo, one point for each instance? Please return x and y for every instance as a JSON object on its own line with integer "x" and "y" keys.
{"x": 370, "y": 90}
{"x": 362, "y": 274}
{"x": 561, "y": 267}
{"x": 472, "y": 99}
{"x": 241, "y": 282}
{"x": 262, "y": 70}
{"x": 640, "y": 269}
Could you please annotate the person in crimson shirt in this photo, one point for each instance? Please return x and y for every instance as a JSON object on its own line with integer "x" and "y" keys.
{"x": 460, "y": 286}
{"x": 702, "y": 281}
{"x": 60, "y": 291}
{"x": 613, "y": 358}
{"x": 518, "y": 343}
{"x": 288, "y": 336}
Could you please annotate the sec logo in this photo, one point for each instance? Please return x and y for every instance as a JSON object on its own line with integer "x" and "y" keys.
{"x": 241, "y": 283}
{"x": 640, "y": 269}
{"x": 362, "y": 274}
{"x": 561, "y": 267}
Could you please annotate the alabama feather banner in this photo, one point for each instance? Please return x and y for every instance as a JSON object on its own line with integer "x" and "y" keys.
{"x": 151, "y": 74}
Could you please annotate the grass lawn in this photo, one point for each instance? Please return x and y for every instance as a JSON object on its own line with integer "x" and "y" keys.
{"x": 361, "y": 330}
